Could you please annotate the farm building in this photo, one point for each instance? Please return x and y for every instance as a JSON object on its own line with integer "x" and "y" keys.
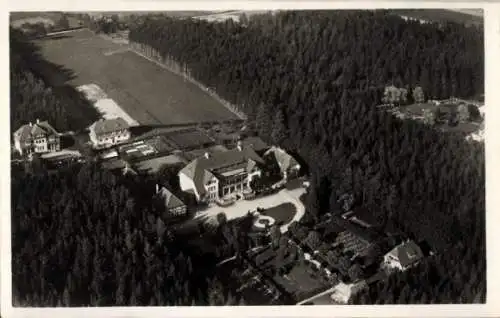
{"x": 190, "y": 139}
{"x": 169, "y": 205}
{"x": 256, "y": 143}
{"x": 154, "y": 165}
{"x": 39, "y": 137}
{"x": 403, "y": 256}
{"x": 108, "y": 132}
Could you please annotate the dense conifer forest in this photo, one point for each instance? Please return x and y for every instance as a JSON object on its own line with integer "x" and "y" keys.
{"x": 310, "y": 82}
{"x": 84, "y": 236}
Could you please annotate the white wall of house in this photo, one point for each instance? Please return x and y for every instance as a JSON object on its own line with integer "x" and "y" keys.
{"x": 178, "y": 211}
{"x": 253, "y": 174}
{"x": 38, "y": 145}
{"x": 212, "y": 189}
{"x": 392, "y": 263}
{"x": 109, "y": 139}
{"x": 187, "y": 184}
{"x": 17, "y": 144}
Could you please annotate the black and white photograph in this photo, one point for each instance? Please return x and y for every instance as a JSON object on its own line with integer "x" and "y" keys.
{"x": 247, "y": 157}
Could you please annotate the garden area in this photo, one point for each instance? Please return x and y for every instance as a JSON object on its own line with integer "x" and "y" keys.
{"x": 282, "y": 213}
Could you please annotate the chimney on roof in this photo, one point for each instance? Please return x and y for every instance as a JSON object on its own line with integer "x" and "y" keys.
{"x": 157, "y": 188}
{"x": 31, "y": 124}
{"x": 37, "y": 121}
{"x": 239, "y": 145}
{"x": 207, "y": 155}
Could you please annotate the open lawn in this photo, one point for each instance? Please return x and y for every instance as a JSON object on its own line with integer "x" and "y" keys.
{"x": 282, "y": 214}
{"x": 147, "y": 92}
{"x": 443, "y": 15}
{"x": 416, "y": 111}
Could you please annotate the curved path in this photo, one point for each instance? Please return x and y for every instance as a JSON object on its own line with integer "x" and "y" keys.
{"x": 241, "y": 208}
{"x": 260, "y": 225}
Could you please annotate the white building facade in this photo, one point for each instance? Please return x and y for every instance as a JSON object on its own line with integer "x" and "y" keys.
{"x": 39, "y": 137}
{"x": 219, "y": 175}
{"x": 108, "y": 132}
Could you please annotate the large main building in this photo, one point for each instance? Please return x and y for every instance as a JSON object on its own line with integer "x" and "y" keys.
{"x": 220, "y": 174}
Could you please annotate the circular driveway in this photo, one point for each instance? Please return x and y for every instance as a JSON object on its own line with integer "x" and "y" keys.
{"x": 263, "y": 221}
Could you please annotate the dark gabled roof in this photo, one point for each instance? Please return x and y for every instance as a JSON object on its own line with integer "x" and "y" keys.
{"x": 105, "y": 126}
{"x": 256, "y": 143}
{"x": 28, "y": 131}
{"x": 366, "y": 234}
{"x": 202, "y": 169}
{"x": 170, "y": 200}
{"x": 284, "y": 160}
{"x": 114, "y": 164}
{"x": 407, "y": 253}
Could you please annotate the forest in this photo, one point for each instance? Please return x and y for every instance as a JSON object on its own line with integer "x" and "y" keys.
{"x": 308, "y": 81}
{"x": 85, "y": 236}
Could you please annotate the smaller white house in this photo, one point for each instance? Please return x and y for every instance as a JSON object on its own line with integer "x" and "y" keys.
{"x": 39, "y": 137}
{"x": 403, "y": 256}
{"x": 109, "y": 132}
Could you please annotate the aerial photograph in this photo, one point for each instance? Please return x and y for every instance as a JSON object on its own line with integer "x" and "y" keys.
{"x": 256, "y": 158}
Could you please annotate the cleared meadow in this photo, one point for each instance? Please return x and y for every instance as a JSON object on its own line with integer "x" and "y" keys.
{"x": 147, "y": 92}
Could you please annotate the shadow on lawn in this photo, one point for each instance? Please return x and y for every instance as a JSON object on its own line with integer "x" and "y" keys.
{"x": 79, "y": 112}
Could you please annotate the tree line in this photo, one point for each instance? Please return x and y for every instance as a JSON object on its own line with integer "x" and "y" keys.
{"x": 310, "y": 82}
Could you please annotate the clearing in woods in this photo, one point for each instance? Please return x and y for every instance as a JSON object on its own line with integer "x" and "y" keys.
{"x": 147, "y": 92}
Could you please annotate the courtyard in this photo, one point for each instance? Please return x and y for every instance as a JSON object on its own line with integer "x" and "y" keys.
{"x": 241, "y": 207}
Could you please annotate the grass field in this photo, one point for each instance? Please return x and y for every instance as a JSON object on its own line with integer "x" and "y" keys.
{"x": 147, "y": 92}
{"x": 282, "y": 213}
{"x": 444, "y": 15}
{"x": 48, "y": 18}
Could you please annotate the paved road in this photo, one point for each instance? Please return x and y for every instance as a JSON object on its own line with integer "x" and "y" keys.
{"x": 328, "y": 291}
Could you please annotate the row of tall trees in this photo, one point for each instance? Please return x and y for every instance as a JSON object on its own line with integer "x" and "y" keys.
{"x": 310, "y": 81}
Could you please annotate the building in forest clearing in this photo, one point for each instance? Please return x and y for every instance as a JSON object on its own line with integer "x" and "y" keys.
{"x": 221, "y": 174}
{"x": 403, "y": 256}
{"x": 108, "y": 132}
{"x": 39, "y": 137}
